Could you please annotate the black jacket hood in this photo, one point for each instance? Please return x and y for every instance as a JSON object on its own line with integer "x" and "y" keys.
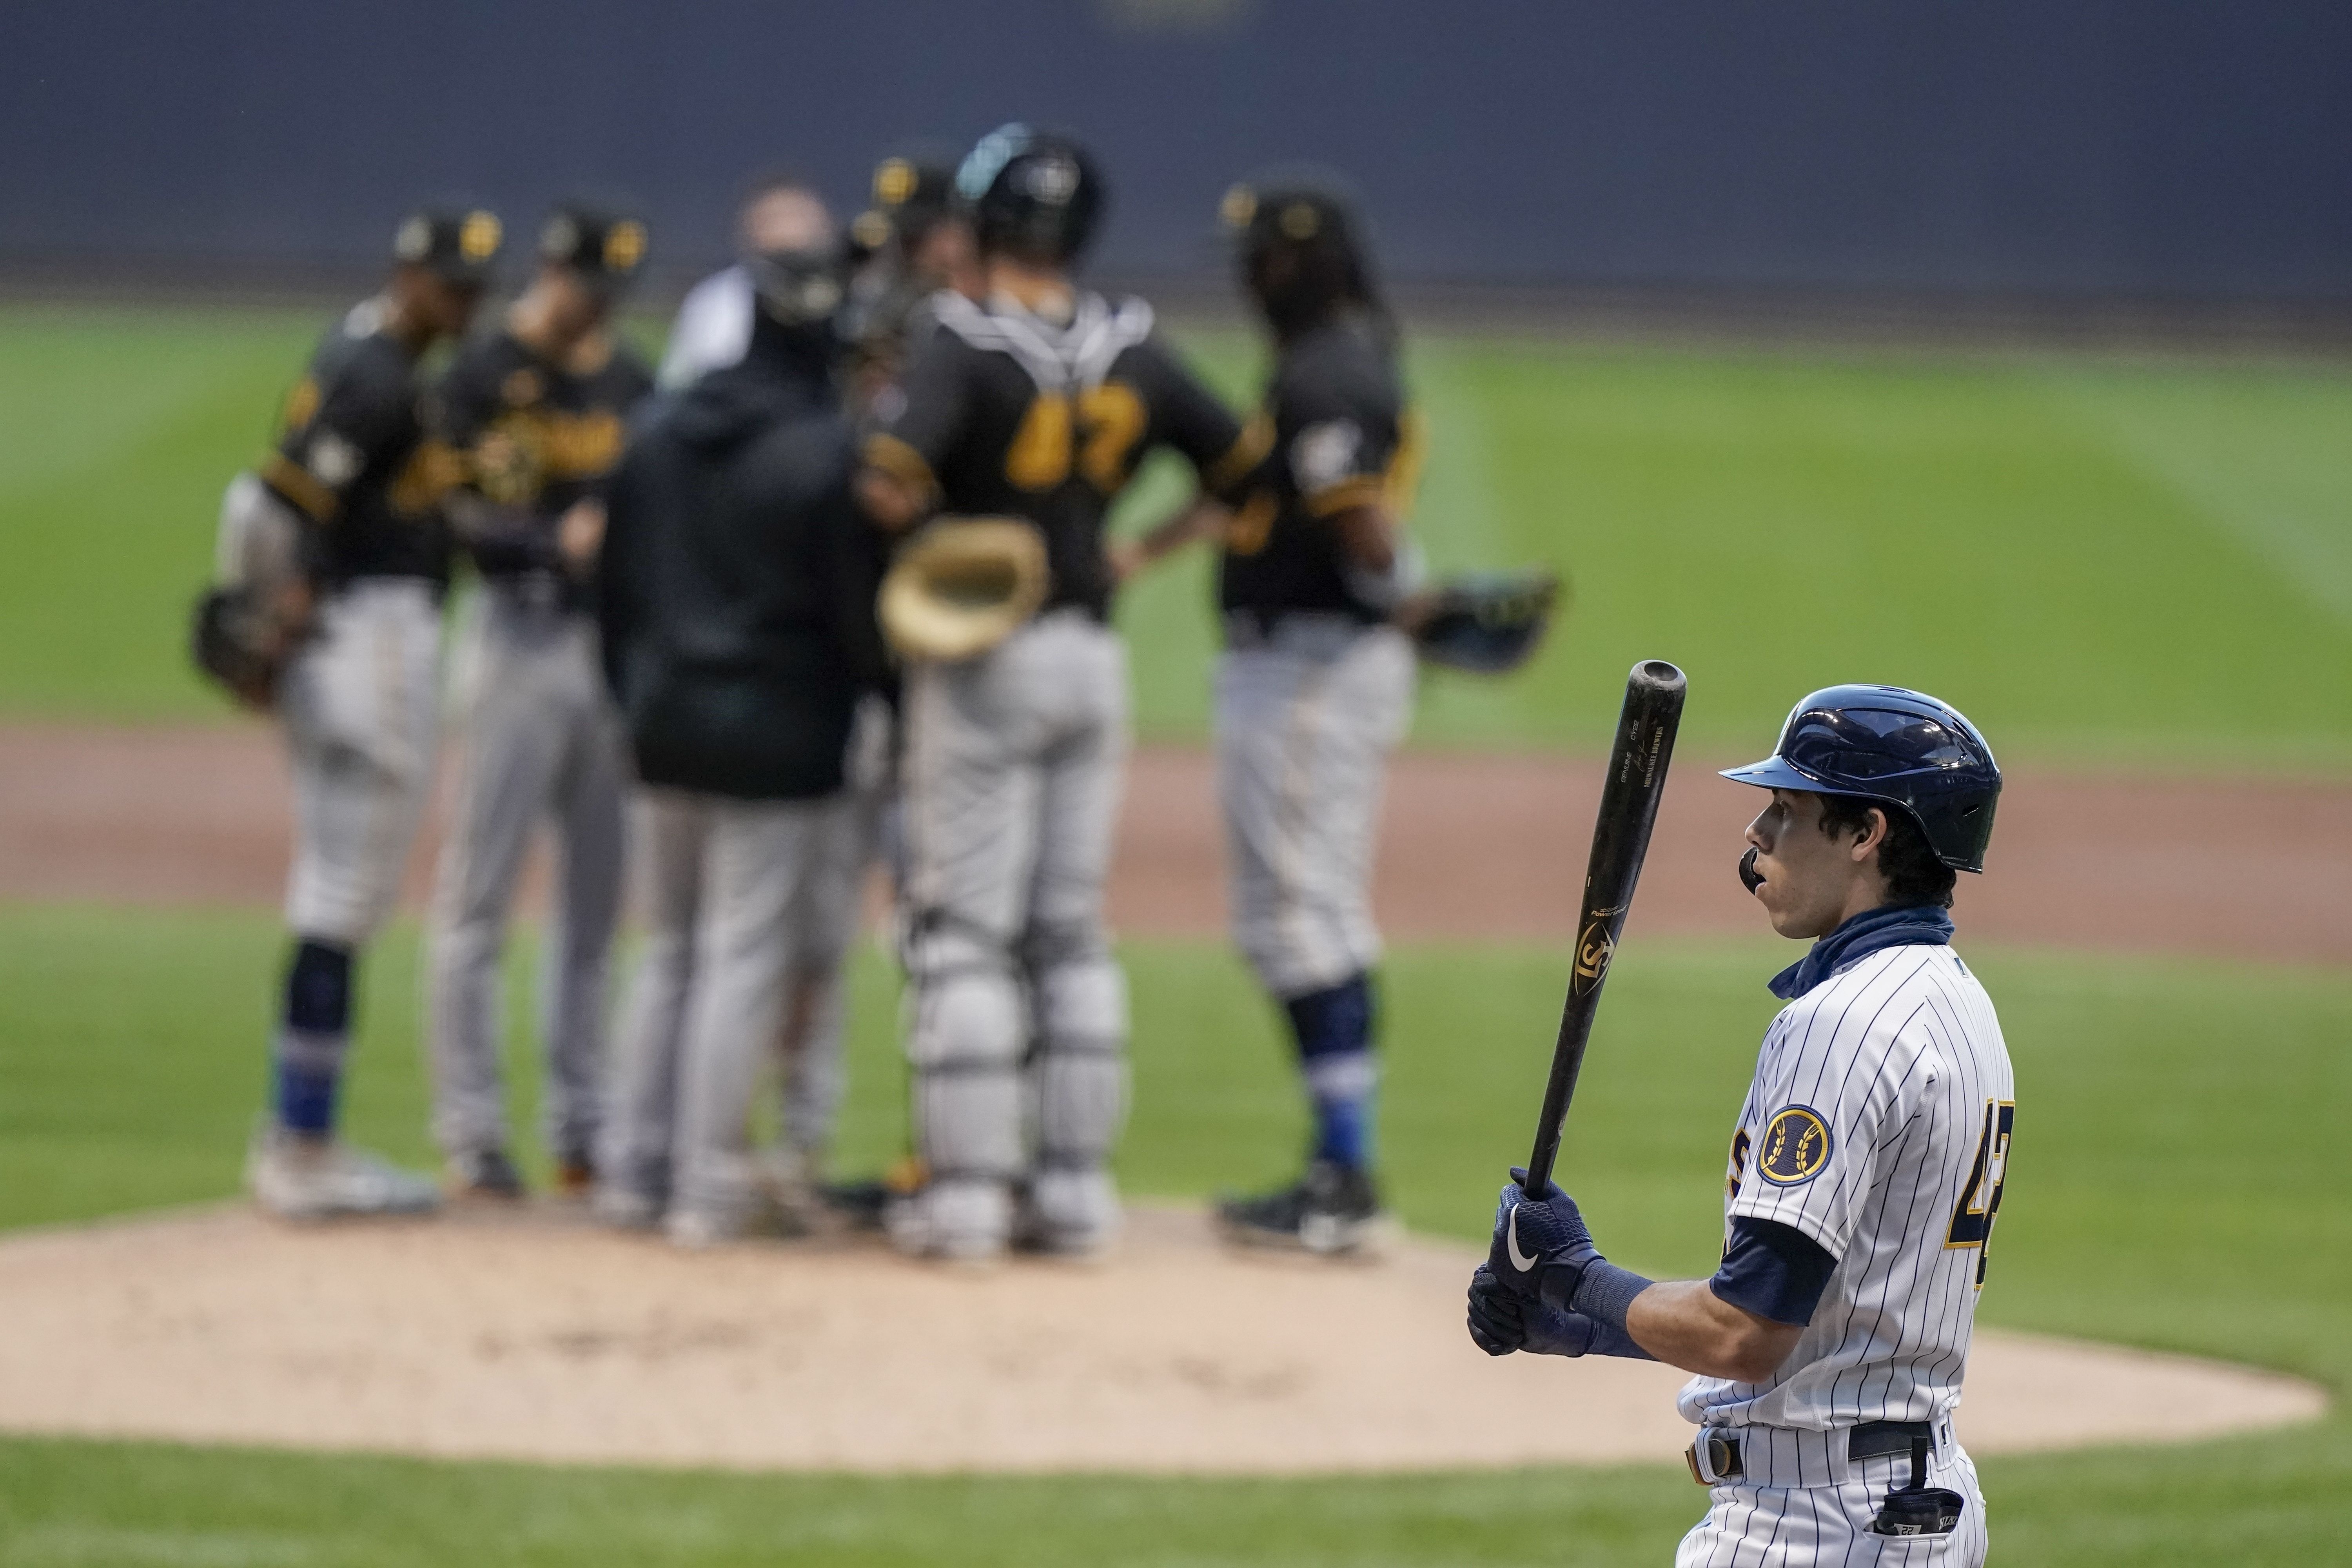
{"x": 731, "y": 404}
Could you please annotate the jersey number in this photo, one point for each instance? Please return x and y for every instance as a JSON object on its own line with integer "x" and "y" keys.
{"x": 1112, "y": 418}
{"x": 1979, "y": 1202}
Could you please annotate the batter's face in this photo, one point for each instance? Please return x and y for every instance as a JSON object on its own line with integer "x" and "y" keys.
{"x": 1813, "y": 882}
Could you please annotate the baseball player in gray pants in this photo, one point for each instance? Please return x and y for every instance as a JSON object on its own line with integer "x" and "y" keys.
{"x": 682, "y": 870}
{"x": 1315, "y": 687}
{"x": 1035, "y": 406}
{"x": 535, "y": 412}
{"x": 737, "y": 610}
{"x": 353, "y": 477}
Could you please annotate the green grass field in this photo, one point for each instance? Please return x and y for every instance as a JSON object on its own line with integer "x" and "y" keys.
{"x": 2177, "y": 1184}
{"x": 2093, "y": 559}
{"x": 2099, "y": 560}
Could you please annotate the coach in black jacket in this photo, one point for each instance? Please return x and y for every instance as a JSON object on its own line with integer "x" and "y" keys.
{"x": 737, "y": 601}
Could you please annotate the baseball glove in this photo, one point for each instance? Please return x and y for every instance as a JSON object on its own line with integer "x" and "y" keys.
{"x": 962, "y": 586}
{"x": 246, "y": 625}
{"x": 1487, "y": 622}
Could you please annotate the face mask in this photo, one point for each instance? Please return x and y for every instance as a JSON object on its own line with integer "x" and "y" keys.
{"x": 798, "y": 288}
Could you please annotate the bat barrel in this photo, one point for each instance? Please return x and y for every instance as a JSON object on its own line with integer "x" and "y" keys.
{"x": 1638, "y": 759}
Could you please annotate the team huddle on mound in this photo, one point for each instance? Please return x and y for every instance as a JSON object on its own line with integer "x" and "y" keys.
{"x": 832, "y": 588}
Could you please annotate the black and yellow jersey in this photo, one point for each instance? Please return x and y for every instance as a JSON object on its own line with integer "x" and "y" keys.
{"x": 531, "y": 438}
{"x": 1001, "y": 412}
{"x": 351, "y": 456}
{"x": 1335, "y": 434}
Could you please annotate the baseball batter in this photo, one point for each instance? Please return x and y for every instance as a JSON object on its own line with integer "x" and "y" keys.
{"x": 1315, "y": 686}
{"x": 1865, "y": 1173}
{"x": 359, "y": 699}
{"x": 535, "y": 412}
{"x": 1036, "y": 404}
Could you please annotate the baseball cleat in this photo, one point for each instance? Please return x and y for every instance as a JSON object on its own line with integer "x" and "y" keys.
{"x": 1068, "y": 1214}
{"x": 483, "y": 1174}
{"x": 626, "y": 1208}
{"x": 697, "y": 1230}
{"x": 858, "y": 1206}
{"x": 1332, "y": 1209}
{"x": 295, "y": 1177}
{"x": 952, "y": 1221}
{"x": 575, "y": 1177}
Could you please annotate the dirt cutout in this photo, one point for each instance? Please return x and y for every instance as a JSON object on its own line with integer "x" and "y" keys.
{"x": 536, "y": 1339}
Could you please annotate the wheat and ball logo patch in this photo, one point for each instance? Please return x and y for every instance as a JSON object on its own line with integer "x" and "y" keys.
{"x": 1794, "y": 1148}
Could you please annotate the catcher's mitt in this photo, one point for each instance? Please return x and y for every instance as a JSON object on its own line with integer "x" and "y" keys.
{"x": 246, "y": 627}
{"x": 962, "y": 586}
{"x": 1488, "y": 622}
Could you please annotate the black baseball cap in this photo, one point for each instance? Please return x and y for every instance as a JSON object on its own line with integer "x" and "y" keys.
{"x": 913, "y": 189}
{"x": 605, "y": 247}
{"x": 458, "y": 244}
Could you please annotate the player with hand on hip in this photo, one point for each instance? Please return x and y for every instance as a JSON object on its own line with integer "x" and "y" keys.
{"x": 359, "y": 696}
{"x": 535, "y": 413}
{"x": 1866, "y": 1176}
{"x": 1316, "y": 682}
{"x": 1035, "y": 405}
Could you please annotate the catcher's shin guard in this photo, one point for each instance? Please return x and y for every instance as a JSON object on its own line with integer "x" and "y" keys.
{"x": 964, "y": 1046}
{"x": 1079, "y": 1076}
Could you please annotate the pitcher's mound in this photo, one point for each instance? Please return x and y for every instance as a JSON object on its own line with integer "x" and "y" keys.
{"x": 537, "y": 1339}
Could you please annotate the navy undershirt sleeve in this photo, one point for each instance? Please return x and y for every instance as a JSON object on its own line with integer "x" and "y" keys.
{"x": 1773, "y": 1270}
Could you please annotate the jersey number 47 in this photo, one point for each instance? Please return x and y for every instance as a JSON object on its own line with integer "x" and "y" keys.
{"x": 1979, "y": 1202}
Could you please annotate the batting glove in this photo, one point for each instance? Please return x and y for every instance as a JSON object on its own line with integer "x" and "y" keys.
{"x": 1501, "y": 1322}
{"x": 1541, "y": 1247}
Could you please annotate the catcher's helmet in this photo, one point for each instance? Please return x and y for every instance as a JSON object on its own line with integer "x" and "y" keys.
{"x": 1035, "y": 195}
{"x": 1299, "y": 243}
{"x": 1899, "y": 748}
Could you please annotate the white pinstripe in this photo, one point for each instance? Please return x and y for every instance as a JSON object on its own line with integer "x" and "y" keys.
{"x": 1898, "y": 1055}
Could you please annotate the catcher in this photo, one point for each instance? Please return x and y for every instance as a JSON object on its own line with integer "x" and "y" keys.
{"x": 1034, "y": 406}
{"x": 1320, "y": 591}
{"x": 333, "y": 562}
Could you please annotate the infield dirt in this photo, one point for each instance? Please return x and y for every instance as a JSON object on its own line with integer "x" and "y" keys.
{"x": 1471, "y": 845}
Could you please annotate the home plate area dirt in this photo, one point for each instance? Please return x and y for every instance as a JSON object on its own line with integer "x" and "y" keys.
{"x": 536, "y": 1336}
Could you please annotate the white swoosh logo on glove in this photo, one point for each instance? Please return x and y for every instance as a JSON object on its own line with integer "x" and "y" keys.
{"x": 1519, "y": 1260}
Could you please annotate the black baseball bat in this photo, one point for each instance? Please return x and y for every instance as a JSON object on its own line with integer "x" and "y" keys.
{"x": 1621, "y": 837}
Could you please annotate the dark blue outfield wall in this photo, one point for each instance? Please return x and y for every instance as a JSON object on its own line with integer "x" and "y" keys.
{"x": 2183, "y": 148}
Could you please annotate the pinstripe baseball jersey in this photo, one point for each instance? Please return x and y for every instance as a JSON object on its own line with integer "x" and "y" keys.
{"x": 1878, "y": 1124}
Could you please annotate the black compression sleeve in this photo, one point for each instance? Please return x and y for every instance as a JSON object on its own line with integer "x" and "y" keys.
{"x": 1773, "y": 1270}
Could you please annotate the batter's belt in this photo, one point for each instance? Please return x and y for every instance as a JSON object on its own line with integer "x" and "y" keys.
{"x": 1781, "y": 1457}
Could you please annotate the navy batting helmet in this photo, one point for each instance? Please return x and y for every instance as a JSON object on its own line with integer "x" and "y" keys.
{"x": 1032, "y": 194}
{"x": 1898, "y": 748}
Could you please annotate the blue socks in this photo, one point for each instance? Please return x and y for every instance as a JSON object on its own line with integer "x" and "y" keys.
{"x": 1334, "y": 1031}
{"x": 310, "y": 1039}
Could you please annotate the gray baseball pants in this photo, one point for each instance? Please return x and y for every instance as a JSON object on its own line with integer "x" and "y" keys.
{"x": 1016, "y": 1011}
{"x": 542, "y": 744}
{"x": 362, "y": 706}
{"x": 750, "y": 907}
{"x": 1306, "y": 716}
{"x": 675, "y": 848}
